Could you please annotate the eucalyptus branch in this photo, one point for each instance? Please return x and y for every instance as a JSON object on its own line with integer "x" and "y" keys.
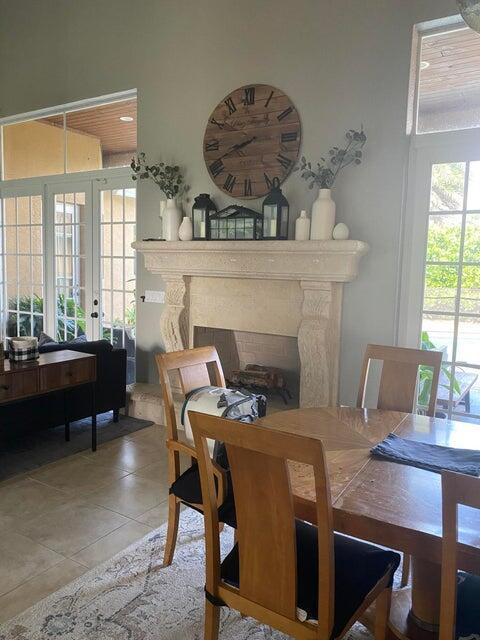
{"x": 328, "y": 170}
{"x": 168, "y": 178}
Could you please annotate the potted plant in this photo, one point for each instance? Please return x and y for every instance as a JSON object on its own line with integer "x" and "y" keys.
{"x": 170, "y": 181}
{"x": 425, "y": 376}
{"x": 324, "y": 177}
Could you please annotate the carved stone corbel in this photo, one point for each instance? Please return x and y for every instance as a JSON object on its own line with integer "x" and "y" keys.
{"x": 319, "y": 343}
{"x": 174, "y": 319}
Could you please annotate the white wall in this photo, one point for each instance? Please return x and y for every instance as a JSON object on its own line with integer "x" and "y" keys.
{"x": 343, "y": 63}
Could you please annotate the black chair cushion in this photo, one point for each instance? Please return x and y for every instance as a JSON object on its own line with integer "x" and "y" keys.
{"x": 468, "y": 606}
{"x": 187, "y": 488}
{"x": 358, "y": 568}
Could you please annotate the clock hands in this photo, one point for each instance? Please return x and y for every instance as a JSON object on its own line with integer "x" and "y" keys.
{"x": 237, "y": 147}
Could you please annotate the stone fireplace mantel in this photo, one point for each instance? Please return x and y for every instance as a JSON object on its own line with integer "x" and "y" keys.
{"x": 287, "y": 288}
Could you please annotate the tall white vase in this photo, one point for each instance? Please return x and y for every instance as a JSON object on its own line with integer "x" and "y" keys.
{"x": 323, "y": 216}
{"x": 171, "y": 219}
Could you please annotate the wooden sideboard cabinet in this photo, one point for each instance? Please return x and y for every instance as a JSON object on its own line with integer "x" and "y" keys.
{"x": 54, "y": 371}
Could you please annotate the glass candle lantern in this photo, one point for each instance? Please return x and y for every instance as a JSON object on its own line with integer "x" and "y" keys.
{"x": 275, "y": 210}
{"x": 236, "y": 223}
{"x": 202, "y": 208}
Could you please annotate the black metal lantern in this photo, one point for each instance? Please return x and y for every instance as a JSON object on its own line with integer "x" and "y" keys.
{"x": 236, "y": 223}
{"x": 275, "y": 214}
{"x": 202, "y": 208}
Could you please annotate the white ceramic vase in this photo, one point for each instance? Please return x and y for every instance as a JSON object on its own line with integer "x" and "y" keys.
{"x": 302, "y": 226}
{"x": 171, "y": 219}
{"x": 323, "y": 216}
{"x": 185, "y": 231}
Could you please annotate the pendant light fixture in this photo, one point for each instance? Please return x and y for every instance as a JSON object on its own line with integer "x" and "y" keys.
{"x": 470, "y": 10}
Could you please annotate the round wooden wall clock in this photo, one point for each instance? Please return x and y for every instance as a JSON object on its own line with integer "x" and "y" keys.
{"x": 252, "y": 137}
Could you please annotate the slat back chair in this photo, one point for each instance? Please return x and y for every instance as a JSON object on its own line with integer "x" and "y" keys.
{"x": 193, "y": 367}
{"x": 267, "y": 533}
{"x": 457, "y": 489}
{"x": 398, "y": 385}
{"x": 398, "y": 380}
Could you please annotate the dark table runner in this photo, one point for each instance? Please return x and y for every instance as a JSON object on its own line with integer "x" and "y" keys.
{"x": 431, "y": 457}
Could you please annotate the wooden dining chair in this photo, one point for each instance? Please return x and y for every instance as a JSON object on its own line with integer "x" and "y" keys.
{"x": 307, "y": 582}
{"x": 460, "y": 595}
{"x": 398, "y": 388}
{"x": 192, "y": 367}
{"x": 398, "y": 382}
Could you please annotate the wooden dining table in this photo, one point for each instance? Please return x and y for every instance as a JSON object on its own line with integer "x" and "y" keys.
{"x": 387, "y": 503}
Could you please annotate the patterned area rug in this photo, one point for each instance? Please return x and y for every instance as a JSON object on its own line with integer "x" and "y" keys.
{"x": 130, "y": 597}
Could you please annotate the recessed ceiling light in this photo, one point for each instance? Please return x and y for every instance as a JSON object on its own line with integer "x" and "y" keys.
{"x": 424, "y": 65}
{"x": 126, "y": 118}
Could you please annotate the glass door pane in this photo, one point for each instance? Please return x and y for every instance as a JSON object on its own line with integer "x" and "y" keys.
{"x": 117, "y": 271}
{"x": 22, "y": 271}
{"x": 70, "y": 284}
{"x": 69, "y": 235}
{"x": 451, "y": 301}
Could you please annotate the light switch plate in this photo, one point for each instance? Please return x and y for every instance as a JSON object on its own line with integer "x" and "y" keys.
{"x": 155, "y": 296}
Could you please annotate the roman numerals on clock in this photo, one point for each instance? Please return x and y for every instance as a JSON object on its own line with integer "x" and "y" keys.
{"x": 231, "y": 106}
{"x": 212, "y": 145}
{"x": 289, "y": 136}
{"x": 216, "y": 168}
{"x": 284, "y": 161}
{"x": 229, "y": 183}
{"x": 249, "y": 97}
{"x": 268, "y": 181}
{"x": 285, "y": 114}
{"x": 252, "y": 139}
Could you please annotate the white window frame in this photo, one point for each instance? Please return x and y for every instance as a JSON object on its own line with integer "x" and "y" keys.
{"x": 425, "y": 149}
{"x": 90, "y": 181}
{"x": 61, "y": 110}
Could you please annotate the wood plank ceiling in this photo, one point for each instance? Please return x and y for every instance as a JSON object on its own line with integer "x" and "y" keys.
{"x": 450, "y": 74}
{"x": 104, "y": 123}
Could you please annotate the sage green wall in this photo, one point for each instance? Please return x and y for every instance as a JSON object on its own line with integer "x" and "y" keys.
{"x": 343, "y": 63}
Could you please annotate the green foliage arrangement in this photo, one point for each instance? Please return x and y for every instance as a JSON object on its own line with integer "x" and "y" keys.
{"x": 426, "y": 375}
{"x": 327, "y": 170}
{"x": 168, "y": 178}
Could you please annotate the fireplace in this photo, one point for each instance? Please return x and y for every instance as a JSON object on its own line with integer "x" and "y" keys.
{"x": 283, "y": 298}
{"x": 238, "y": 349}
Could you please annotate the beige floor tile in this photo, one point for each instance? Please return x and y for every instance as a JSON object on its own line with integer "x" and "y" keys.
{"x": 77, "y": 475}
{"x": 155, "y": 517}
{"x": 39, "y": 587}
{"x": 21, "y": 558}
{"x": 125, "y": 454}
{"x": 154, "y": 436}
{"x": 130, "y": 496}
{"x": 111, "y": 544}
{"x": 158, "y": 472}
{"x": 73, "y": 526}
{"x": 23, "y": 500}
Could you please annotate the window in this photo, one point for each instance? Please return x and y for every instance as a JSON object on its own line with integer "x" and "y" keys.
{"x": 70, "y": 141}
{"x": 449, "y": 81}
{"x": 440, "y": 288}
{"x": 23, "y": 265}
{"x": 66, "y": 262}
{"x": 451, "y": 301}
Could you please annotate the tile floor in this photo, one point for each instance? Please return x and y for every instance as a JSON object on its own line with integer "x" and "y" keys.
{"x": 63, "y": 519}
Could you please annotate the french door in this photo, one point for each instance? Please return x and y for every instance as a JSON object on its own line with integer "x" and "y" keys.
{"x": 69, "y": 237}
{"x": 67, "y": 267}
{"x": 441, "y": 307}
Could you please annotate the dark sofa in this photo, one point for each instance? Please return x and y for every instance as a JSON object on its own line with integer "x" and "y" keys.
{"x": 48, "y": 411}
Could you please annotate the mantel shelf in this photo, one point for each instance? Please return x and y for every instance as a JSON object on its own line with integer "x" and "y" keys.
{"x": 314, "y": 260}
